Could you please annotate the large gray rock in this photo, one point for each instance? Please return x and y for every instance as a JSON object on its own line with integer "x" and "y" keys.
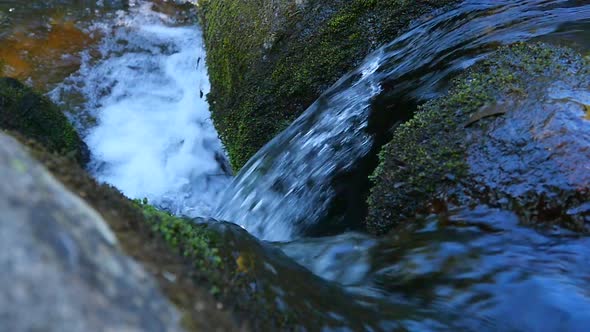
{"x": 61, "y": 267}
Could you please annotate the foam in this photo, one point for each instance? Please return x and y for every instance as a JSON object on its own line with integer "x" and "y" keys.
{"x": 153, "y": 136}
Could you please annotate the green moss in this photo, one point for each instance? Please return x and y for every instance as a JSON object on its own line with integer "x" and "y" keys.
{"x": 268, "y": 61}
{"x": 426, "y": 159}
{"x": 226, "y": 270}
{"x": 190, "y": 239}
{"x": 34, "y": 116}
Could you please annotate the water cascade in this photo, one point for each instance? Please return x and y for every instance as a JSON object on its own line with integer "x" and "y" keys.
{"x": 145, "y": 117}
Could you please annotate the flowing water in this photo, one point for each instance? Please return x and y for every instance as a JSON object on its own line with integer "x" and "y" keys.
{"x": 133, "y": 76}
{"x": 144, "y": 115}
{"x": 468, "y": 270}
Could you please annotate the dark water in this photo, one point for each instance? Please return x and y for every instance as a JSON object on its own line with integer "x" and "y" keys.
{"x": 42, "y": 42}
{"x": 468, "y": 270}
{"x": 19, "y": 14}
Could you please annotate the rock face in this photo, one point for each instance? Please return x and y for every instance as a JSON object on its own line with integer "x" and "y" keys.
{"x": 34, "y": 116}
{"x": 61, "y": 267}
{"x": 268, "y": 61}
{"x": 513, "y": 132}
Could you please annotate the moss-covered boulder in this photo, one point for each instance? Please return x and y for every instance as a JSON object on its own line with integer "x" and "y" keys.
{"x": 265, "y": 289}
{"x": 35, "y": 116}
{"x": 513, "y": 132}
{"x": 184, "y": 281}
{"x": 269, "y": 60}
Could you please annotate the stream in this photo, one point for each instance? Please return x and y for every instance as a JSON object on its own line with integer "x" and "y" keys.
{"x": 133, "y": 77}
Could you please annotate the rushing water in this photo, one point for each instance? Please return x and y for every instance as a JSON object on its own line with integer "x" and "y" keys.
{"x": 134, "y": 77}
{"x": 145, "y": 117}
{"x": 289, "y": 186}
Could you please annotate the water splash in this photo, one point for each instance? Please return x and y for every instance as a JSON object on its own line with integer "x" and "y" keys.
{"x": 289, "y": 186}
{"x": 145, "y": 118}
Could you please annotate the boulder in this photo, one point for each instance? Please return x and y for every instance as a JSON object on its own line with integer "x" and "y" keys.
{"x": 280, "y": 295}
{"x": 35, "y": 116}
{"x": 62, "y": 269}
{"x": 513, "y": 132}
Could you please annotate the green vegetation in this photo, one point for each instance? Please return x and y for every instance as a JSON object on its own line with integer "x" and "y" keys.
{"x": 34, "y": 116}
{"x": 268, "y": 62}
{"x": 191, "y": 240}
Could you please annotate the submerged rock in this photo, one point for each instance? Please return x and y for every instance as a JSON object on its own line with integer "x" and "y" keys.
{"x": 61, "y": 267}
{"x": 34, "y": 116}
{"x": 513, "y": 132}
{"x": 269, "y": 61}
{"x": 471, "y": 269}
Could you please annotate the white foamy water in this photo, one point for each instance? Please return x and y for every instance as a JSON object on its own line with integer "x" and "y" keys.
{"x": 153, "y": 136}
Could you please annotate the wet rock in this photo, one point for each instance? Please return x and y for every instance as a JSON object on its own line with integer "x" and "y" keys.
{"x": 61, "y": 267}
{"x": 278, "y": 294}
{"x": 138, "y": 227}
{"x": 472, "y": 269}
{"x": 269, "y": 61}
{"x": 511, "y": 133}
{"x": 34, "y": 116}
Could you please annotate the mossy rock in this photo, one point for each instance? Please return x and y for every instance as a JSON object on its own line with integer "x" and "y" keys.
{"x": 266, "y": 290}
{"x": 35, "y": 116}
{"x": 268, "y": 61}
{"x": 277, "y": 294}
{"x": 513, "y": 132}
{"x": 145, "y": 233}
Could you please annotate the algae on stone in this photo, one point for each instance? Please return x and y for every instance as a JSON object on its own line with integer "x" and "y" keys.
{"x": 500, "y": 137}
{"x": 36, "y": 117}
